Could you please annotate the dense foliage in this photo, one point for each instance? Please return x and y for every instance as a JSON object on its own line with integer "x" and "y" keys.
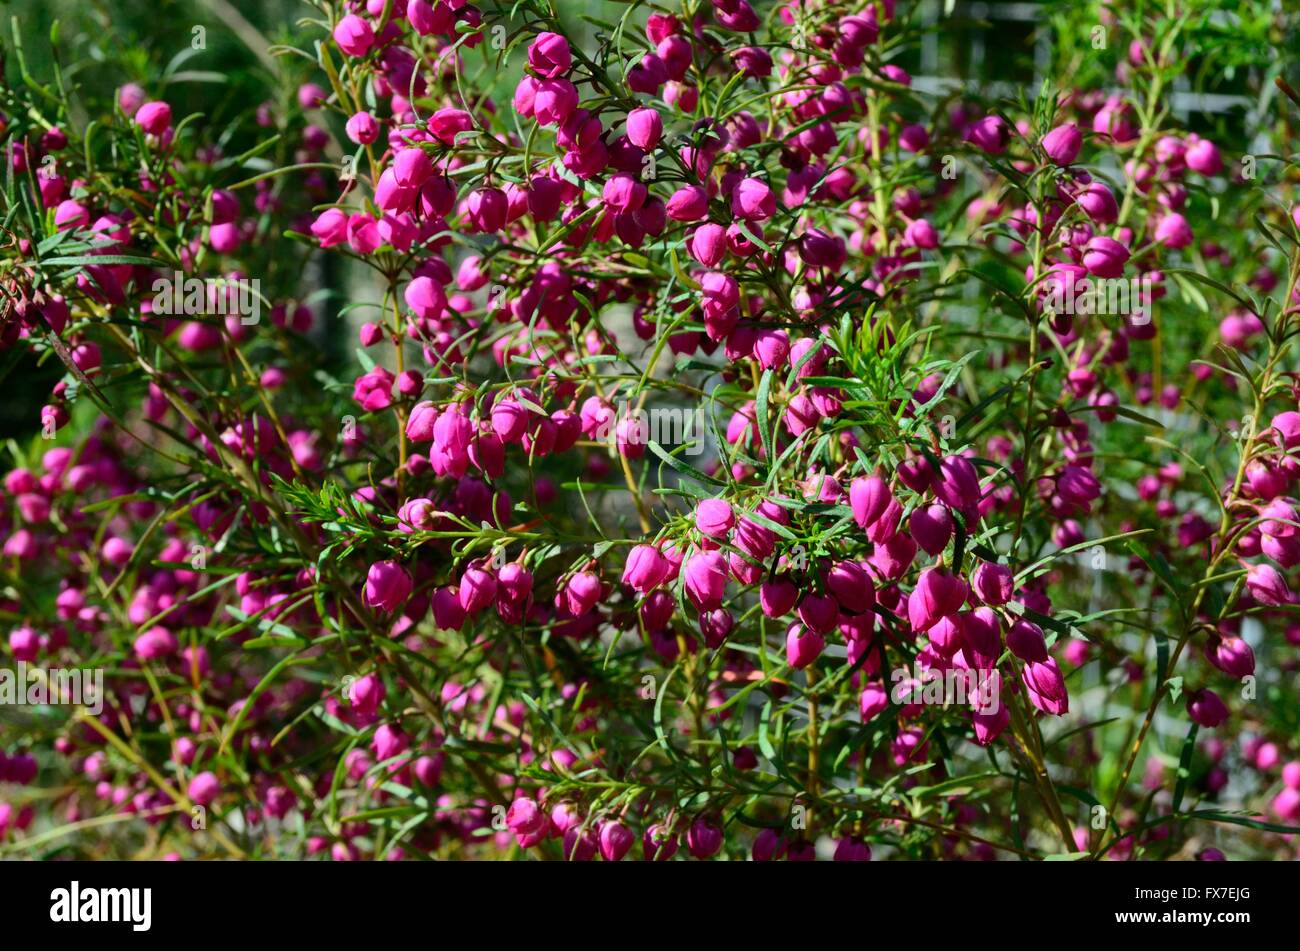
{"x": 541, "y": 431}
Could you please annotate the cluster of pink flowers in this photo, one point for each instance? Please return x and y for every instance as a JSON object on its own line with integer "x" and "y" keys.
{"x": 459, "y": 599}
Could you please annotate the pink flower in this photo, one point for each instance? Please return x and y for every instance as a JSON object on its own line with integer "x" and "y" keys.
{"x": 447, "y": 123}
{"x": 155, "y": 643}
{"x": 387, "y": 586}
{"x": 154, "y": 117}
{"x": 1105, "y": 257}
{"x": 1063, "y": 143}
{"x": 937, "y": 593}
{"x": 354, "y": 35}
{"x": 752, "y": 199}
{"x": 203, "y": 789}
{"x": 549, "y": 55}
{"x": 705, "y": 579}
{"x": 1206, "y": 708}
{"x": 868, "y": 498}
{"x": 374, "y": 390}
{"x": 992, "y": 583}
{"x": 646, "y": 568}
{"x": 644, "y": 128}
{"x": 688, "y": 203}
{"x": 802, "y": 646}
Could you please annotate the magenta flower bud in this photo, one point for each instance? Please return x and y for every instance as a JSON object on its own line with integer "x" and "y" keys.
{"x": 1286, "y": 805}
{"x": 420, "y": 424}
{"x": 704, "y": 578}
{"x": 1046, "y": 686}
{"x": 868, "y": 498}
{"x": 768, "y": 846}
{"x": 1078, "y": 485}
{"x": 25, "y": 644}
{"x": 945, "y": 636}
{"x": 873, "y": 700}
{"x": 477, "y": 589}
{"x": 883, "y": 529}
{"x": 914, "y": 139}
{"x": 714, "y": 517}
{"x": 715, "y": 626}
{"x": 980, "y": 633}
{"x": 486, "y": 208}
{"x": 430, "y": 16}
{"x": 937, "y": 593}
{"x": 993, "y": 584}
{"x": 1105, "y": 257}
{"x": 155, "y": 643}
{"x": 708, "y": 244}
{"x": 448, "y": 615}
{"x": 703, "y": 838}
{"x": 852, "y": 849}
{"x": 688, "y": 203}
{"x": 1291, "y": 775}
{"x": 658, "y": 844}
{"x": 1231, "y": 655}
{"x": 447, "y": 123}
{"x": 917, "y": 474}
{"x": 1063, "y": 143}
{"x": 1098, "y": 203}
{"x": 958, "y": 485}
{"x": 582, "y": 592}
{"x": 646, "y": 568}
{"x": 130, "y": 98}
{"x": 777, "y": 597}
{"x": 354, "y": 35}
{"x": 154, "y": 117}
{"x": 921, "y": 234}
{"x": 525, "y": 818}
{"x": 771, "y": 348}
{"x": 554, "y": 102}
{"x": 989, "y": 134}
{"x": 752, "y": 61}
{"x": 1287, "y": 426}
{"x": 989, "y": 725}
{"x": 802, "y": 646}
{"x": 932, "y": 527}
{"x": 549, "y": 55}
{"x": 514, "y": 583}
{"x": 426, "y": 298}
{"x": 820, "y": 613}
{"x": 850, "y": 583}
{"x": 753, "y": 200}
{"x": 1026, "y": 641}
{"x": 819, "y": 249}
{"x": 645, "y": 128}
{"x": 203, "y": 789}
{"x": 623, "y": 192}
{"x": 1205, "y": 708}
{"x": 1173, "y": 231}
{"x": 615, "y": 840}
{"x": 1267, "y": 586}
{"x": 412, "y": 167}
{"x": 366, "y": 693}
{"x": 387, "y": 586}
{"x": 331, "y": 227}
{"x": 1203, "y": 157}
{"x": 657, "y": 610}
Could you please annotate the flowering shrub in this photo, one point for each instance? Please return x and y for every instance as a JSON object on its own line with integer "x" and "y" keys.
{"x": 747, "y": 450}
